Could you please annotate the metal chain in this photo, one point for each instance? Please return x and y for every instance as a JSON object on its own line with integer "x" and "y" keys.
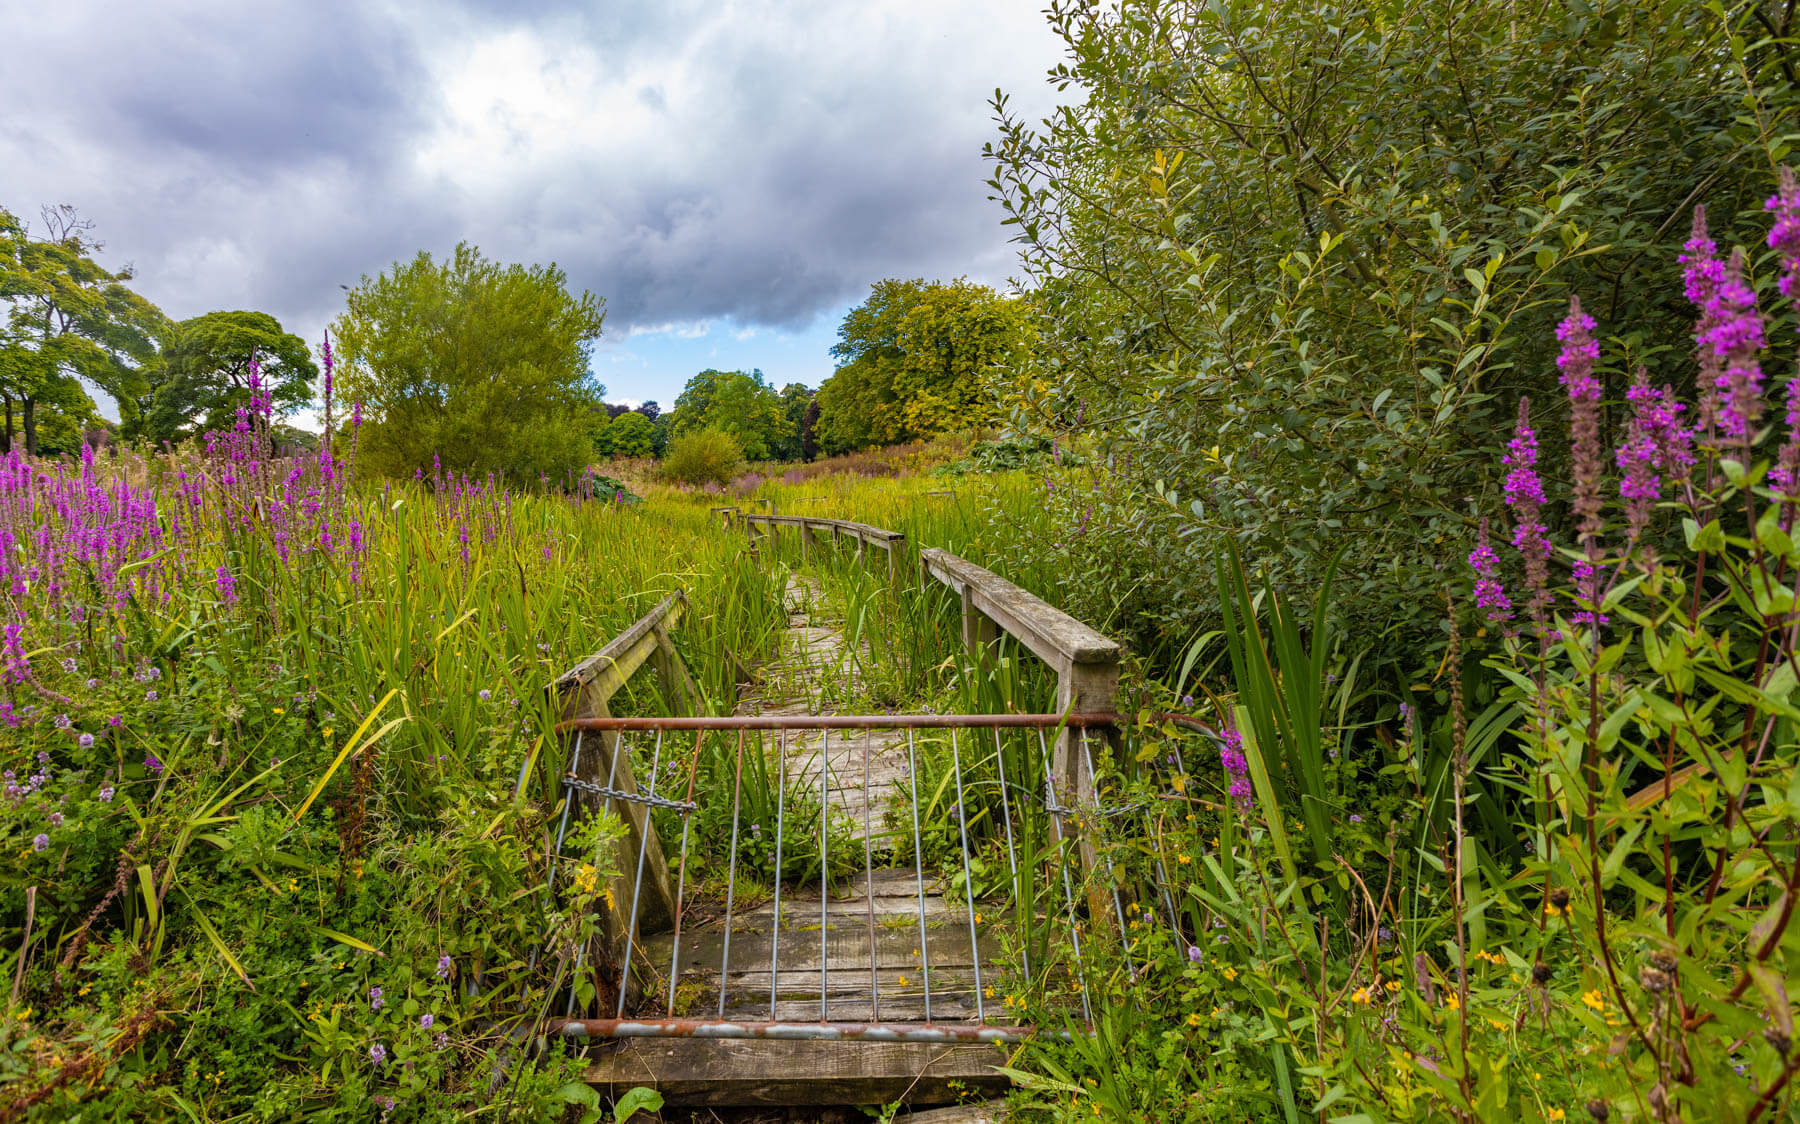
{"x": 572, "y": 781}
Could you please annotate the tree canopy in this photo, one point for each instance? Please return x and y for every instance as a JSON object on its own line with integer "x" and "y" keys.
{"x": 740, "y": 403}
{"x": 67, "y": 319}
{"x": 203, "y": 376}
{"x": 1298, "y": 263}
{"x": 917, "y": 358}
{"x": 482, "y": 365}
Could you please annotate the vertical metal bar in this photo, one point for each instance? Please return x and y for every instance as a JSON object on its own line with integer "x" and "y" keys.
{"x": 912, "y": 779}
{"x": 824, "y": 862}
{"x": 681, "y": 878}
{"x": 962, "y": 830}
{"x": 1162, "y": 872}
{"x": 637, "y": 887}
{"x": 568, "y": 799}
{"x": 869, "y": 895}
{"x": 775, "y": 930}
{"x": 619, "y": 746}
{"x": 1012, "y": 862}
{"x": 1111, "y": 878}
{"x": 1051, "y": 805}
{"x": 737, "y": 802}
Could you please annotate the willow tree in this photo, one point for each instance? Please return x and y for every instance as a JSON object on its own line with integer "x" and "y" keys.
{"x": 481, "y": 365}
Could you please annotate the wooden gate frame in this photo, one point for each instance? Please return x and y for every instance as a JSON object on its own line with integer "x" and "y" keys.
{"x": 585, "y": 691}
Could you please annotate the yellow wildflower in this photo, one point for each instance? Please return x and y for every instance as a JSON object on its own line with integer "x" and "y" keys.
{"x": 1555, "y": 1114}
{"x": 903, "y": 982}
{"x": 1595, "y": 1000}
{"x": 1194, "y": 1019}
{"x": 1360, "y": 995}
{"x": 1453, "y": 1001}
{"x": 278, "y": 710}
{"x": 1183, "y": 859}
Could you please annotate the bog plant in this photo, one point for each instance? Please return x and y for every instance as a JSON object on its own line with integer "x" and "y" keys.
{"x": 1607, "y": 931}
{"x": 260, "y": 727}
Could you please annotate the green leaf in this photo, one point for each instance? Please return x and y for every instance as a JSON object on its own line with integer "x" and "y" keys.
{"x": 635, "y": 1101}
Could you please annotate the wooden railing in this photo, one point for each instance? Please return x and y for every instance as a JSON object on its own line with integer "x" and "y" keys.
{"x": 1086, "y": 662}
{"x": 597, "y": 759}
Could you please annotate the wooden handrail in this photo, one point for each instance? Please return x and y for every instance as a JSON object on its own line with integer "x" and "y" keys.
{"x": 1051, "y": 634}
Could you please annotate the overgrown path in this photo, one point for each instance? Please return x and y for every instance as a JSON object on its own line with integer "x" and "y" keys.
{"x": 875, "y": 957}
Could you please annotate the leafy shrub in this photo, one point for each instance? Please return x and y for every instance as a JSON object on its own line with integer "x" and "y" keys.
{"x": 1295, "y": 261}
{"x": 1605, "y": 933}
{"x": 704, "y": 456}
{"x": 1012, "y": 454}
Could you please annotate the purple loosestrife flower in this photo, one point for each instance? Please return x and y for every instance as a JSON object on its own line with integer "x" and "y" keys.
{"x": 153, "y": 763}
{"x": 1702, "y": 274}
{"x": 1784, "y": 233}
{"x": 1580, "y": 351}
{"x": 1237, "y": 768}
{"x": 1490, "y": 594}
{"x": 1785, "y": 476}
{"x": 1735, "y": 338}
{"x": 18, "y": 664}
{"x": 1656, "y": 444}
{"x": 227, "y": 585}
{"x": 1524, "y": 493}
{"x": 1587, "y": 576}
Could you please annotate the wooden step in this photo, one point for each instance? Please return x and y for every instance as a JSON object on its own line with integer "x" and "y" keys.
{"x": 721, "y": 1072}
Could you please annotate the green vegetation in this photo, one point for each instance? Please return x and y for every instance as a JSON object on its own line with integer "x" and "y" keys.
{"x": 703, "y": 456}
{"x": 918, "y": 359}
{"x": 481, "y": 366}
{"x": 67, "y": 319}
{"x": 202, "y": 376}
{"x": 1297, "y": 264}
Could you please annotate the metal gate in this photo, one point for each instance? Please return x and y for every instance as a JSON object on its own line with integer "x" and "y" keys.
{"x": 903, "y": 839}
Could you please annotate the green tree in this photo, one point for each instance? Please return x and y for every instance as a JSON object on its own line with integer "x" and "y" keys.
{"x": 631, "y": 434}
{"x": 741, "y": 403}
{"x": 795, "y": 398}
{"x": 1297, "y": 263}
{"x": 68, "y": 319}
{"x": 204, "y": 375}
{"x": 919, "y": 358}
{"x": 480, "y": 364}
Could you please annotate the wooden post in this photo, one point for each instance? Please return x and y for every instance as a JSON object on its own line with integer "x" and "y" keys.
{"x": 585, "y": 691}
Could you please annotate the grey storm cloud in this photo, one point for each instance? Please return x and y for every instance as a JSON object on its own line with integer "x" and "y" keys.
{"x": 761, "y": 161}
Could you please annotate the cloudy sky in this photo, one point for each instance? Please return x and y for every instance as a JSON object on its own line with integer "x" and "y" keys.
{"x": 731, "y": 176}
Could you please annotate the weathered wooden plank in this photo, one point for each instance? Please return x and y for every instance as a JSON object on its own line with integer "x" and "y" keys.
{"x": 993, "y": 1112}
{"x": 1051, "y": 634}
{"x": 626, "y": 652}
{"x": 773, "y": 1072}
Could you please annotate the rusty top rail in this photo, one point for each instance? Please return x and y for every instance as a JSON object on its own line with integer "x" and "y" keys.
{"x": 845, "y": 722}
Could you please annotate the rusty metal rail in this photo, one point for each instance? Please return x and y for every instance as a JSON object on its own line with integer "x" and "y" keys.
{"x": 847, "y": 722}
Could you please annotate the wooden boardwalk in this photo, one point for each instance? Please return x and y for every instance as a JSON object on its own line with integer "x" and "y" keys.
{"x": 855, "y": 956}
